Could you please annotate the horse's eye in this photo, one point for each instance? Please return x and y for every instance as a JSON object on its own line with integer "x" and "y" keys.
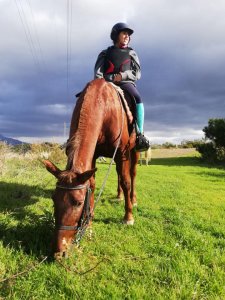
{"x": 76, "y": 203}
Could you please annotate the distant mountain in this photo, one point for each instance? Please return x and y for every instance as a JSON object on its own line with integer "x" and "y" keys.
{"x": 10, "y": 141}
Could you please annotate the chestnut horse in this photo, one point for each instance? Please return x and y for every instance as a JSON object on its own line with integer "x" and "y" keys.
{"x": 99, "y": 125}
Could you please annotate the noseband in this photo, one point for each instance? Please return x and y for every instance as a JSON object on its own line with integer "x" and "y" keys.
{"x": 86, "y": 208}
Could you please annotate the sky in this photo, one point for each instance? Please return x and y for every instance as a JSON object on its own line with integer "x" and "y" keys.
{"x": 48, "y": 50}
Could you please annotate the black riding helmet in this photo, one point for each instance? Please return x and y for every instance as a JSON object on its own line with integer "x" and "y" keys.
{"x": 117, "y": 28}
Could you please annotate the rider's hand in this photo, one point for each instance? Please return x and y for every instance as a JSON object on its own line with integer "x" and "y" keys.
{"x": 117, "y": 78}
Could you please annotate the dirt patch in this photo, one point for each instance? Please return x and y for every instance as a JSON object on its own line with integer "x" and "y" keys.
{"x": 162, "y": 153}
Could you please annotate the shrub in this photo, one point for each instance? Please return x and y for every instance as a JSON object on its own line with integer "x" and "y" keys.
{"x": 5, "y": 149}
{"x": 220, "y": 153}
{"x": 168, "y": 145}
{"x": 215, "y": 149}
{"x": 52, "y": 151}
{"x": 215, "y": 131}
{"x": 22, "y": 148}
{"x": 211, "y": 153}
{"x": 190, "y": 144}
{"x": 207, "y": 151}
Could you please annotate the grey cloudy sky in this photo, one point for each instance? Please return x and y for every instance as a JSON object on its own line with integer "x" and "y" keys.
{"x": 48, "y": 50}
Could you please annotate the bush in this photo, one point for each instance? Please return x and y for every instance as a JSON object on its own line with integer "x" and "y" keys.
{"x": 215, "y": 131}
{"x": 207, "y": 151}
{"x": 215, "y": 149}
{"x": 211, "y": 153}
{"x": 51, "y": 151}
{"x": 5, "y": 149}
{"x": 220, "y": 154}
{"x": 190, "y": 144}
{"x": 22, "y": 148}
{"x": 168, "y": 145}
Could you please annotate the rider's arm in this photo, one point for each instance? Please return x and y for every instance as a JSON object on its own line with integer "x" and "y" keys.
{"x": 135, "y": 73}
{"x": 99, "y": 68}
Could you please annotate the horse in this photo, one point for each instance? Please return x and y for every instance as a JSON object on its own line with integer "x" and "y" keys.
{"x": 99, "y": 126}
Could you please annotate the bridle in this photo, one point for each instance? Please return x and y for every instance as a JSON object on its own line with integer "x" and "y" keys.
{"x": 86, "y": 209}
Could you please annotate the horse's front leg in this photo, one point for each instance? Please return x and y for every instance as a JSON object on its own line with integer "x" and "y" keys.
{"x": 123, "y": 169}
{"x": 119, "y": 188}
{"x": 133, "y": 172}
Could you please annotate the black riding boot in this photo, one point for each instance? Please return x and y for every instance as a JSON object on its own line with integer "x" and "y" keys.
{"x": 142, "y": 143}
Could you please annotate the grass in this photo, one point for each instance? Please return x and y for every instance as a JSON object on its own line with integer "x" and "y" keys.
{"x": 175, "y": 250}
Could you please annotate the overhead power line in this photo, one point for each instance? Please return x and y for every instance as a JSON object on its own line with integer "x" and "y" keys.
{"x": 38, "y": 61}
{"x": 68, "y": 43}
{"x": 41, "y": 55}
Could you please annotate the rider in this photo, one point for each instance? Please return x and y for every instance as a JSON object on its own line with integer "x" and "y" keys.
{"x": 120, "y": 64}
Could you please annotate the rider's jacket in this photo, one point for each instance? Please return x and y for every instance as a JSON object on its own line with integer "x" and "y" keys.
{"x": 115, "y": 60}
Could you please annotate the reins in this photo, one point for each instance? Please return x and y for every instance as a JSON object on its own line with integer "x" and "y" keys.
{"x": 114, "y": 154}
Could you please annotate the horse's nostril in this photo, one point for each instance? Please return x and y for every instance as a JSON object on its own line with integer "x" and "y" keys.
{"x": 58, "y": 255}
{"x": 65, "y": 254}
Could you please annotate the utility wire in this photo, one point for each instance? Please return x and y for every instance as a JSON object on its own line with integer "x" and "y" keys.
{"x": 28, "y": 34}
{"x": 41, "y": 56}
{"x": 68, "y": 44}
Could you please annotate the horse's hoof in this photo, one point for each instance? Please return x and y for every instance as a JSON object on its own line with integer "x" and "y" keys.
{"x": 119, "y": 199}
{"x": 128, "y": 222}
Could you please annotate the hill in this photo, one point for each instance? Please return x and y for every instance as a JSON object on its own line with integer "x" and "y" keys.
{"x": 10, "y": 141}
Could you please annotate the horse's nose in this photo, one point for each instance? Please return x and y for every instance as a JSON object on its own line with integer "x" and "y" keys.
{"x": 60, "y": 255}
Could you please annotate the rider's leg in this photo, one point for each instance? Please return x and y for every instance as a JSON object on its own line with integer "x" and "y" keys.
{"x": 140, "y": 113}
{"x": 142, "y": 143}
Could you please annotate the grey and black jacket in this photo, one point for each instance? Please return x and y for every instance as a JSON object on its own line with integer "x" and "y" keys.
{"x": 130, "y": 72}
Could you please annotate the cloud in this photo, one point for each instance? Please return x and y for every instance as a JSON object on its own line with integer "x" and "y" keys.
{"x": 180, "y": 45}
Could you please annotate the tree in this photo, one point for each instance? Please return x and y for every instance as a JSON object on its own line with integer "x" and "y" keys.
{"x": 215, "y": 131}
{"x": 215, "y": 149}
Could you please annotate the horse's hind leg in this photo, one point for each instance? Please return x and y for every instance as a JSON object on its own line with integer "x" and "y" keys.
{"x": 123, "y": 169}
{"x": 133, "y": 172}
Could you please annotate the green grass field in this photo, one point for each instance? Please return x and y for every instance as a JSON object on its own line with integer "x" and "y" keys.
{"x": 175, "y": 250}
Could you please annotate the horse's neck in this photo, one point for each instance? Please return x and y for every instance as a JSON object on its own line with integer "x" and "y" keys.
{"x": 84, "y": 135}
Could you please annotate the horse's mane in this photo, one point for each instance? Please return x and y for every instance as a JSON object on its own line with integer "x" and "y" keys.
{"x": 78, "y": 121}
{"x": 83, "y": 111}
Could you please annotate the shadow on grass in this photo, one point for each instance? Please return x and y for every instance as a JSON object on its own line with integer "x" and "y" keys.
{"x": 33, "y": 237}
{"x": 184, "y": 161}
{"x": 109, "y": 220}
{"x": 20, "y": 228}
{"x": 15, "y": 196}
{"x": 109, "y": 200}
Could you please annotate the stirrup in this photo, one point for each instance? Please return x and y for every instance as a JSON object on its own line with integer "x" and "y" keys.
{"x": 142, "y": 143}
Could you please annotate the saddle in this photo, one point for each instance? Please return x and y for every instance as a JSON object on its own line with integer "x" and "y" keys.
{"x": 128, "y": 103}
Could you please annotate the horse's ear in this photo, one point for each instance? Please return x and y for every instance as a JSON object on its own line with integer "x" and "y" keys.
{"x": 51, "y": 168}
{"x": 82, "y": 177}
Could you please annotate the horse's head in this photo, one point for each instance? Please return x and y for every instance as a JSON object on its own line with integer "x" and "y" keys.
{"x": 68, "y": 198}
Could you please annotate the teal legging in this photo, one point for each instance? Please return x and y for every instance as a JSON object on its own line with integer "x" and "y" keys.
{"x": 132, "y": 90}
{"x": 140, "y": 116}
